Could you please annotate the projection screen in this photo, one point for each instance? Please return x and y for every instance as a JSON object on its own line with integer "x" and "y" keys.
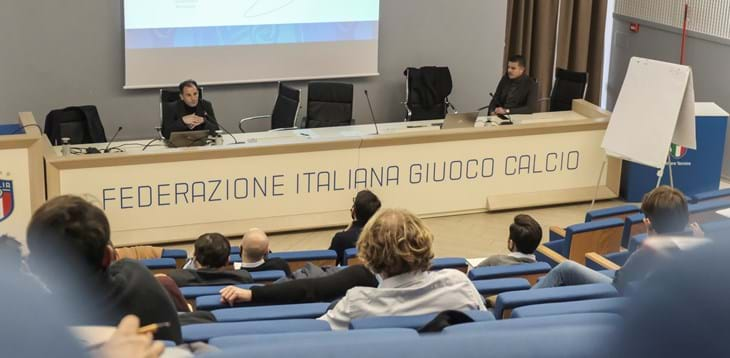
{"x": 246, "y": 41}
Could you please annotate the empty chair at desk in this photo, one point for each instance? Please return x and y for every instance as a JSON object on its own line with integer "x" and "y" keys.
{"x": 206, "y": 331}
{"x": 569, "y": 85}
{"x": 427, "y": 92}
{"x": 265, "y": 313}
{"x": 508, "y": 301}
{"x": 285, "y": 112}
{"x": 602, "y": 236}
{"x": 601, "y": 305}
{"x": 329, "y": 104}
{"x": 414, "y": 322}
{"x": 530, "y": 272}
{"x": 81, "y": 124}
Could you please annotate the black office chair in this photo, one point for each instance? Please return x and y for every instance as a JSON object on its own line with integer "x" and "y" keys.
{"x": 569, "y": 85}
{"x": 168, "y": 100}
{"x": 329, "y": 104}
{"x": 81, "y": 124}
{"x": 285, "y": 113}
{"x": 427, "y": 92}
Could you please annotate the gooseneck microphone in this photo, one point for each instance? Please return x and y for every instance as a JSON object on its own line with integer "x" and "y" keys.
{"x": 108, "y": 145}
{"x": 207, "y": 118}
{"x": 372, "y": 114}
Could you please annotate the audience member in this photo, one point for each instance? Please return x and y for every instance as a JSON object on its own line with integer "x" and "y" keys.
{"x": 190, "y": 113}
{"x": 210, "y": 261}
{"x": 397, "y": 245}
{"x": 254, "y": 253}
{"x": 71, "y": 252}
{"x": 666, "y": 214}
{"x": 363, "y": 208}
{"x": 524, "y": 237}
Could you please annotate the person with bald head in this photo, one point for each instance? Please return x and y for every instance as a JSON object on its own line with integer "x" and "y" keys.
{"x": 254, "y": 253}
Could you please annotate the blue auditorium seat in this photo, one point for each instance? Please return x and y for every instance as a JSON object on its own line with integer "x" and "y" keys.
{"x": 602, "y": 236}
{"x": 458, "y": 263}
{"x": 267, "y": 276}
{"x": 508, "y": 301}
{"x": 163, "y": 265}
{"x": 614, "y": 212}
{"x": 531, "y": 272}
{"x": 351, "y": 257}
{"x": 213, "y": 302}
{"x": 206, "y": 331}
{"x": 636, "y": 241}
{"x": 180, "y": 256}
{"x": 413, "y": 322}
{"x": 602, "y": 305}
{"x": 574, "y": 319}
{"x": 578, "y": 337}
{"x": 265, "y": 313}
{"x": 253, "y": 340}
{"x": 710, "y": 195}
{"x": 618, "y": 258}
{"x": 236, "y": 250}
{"x": 234, "y": 258}
{"x": 705, "y": 211}
{"x": 633, "y": 225}
{"x": 192, "y": 292}
{"x": 297, "y": 259}
{"x": 497, "y": 286}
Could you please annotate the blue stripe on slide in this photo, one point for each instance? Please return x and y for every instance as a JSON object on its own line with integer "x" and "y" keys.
{"x": 250, "y": 35}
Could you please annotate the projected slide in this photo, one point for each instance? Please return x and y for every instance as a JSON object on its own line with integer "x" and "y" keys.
{"x": 235, "y": 41}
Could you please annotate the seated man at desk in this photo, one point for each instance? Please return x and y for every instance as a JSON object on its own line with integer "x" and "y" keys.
{"x": 190, "y": 113}
{"x": 516, "y": 92}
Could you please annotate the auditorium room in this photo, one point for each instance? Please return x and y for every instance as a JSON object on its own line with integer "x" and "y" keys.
{"x": 364, "y": 178}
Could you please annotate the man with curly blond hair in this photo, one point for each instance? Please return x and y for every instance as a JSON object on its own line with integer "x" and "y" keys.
{"x": 397, "y": 246}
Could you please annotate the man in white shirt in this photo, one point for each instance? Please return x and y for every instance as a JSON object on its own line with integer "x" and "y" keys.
{"x": 397, "y": 246}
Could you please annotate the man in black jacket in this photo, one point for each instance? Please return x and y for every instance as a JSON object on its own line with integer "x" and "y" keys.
{"x": 363, "y": 208}
{"x": 516, "y": 92}
{"x": 255, "y": 251}
{"x": 209, "y": 264}
{"x": 190, "y": 113}
{"x": 70, "y": 251}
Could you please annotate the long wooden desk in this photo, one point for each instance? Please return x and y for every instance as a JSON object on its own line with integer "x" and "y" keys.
{"x": 21, "y": 176}
{"x": 306, "y": 179}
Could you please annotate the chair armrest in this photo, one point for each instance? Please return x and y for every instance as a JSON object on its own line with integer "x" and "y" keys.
{"x": 551, "y": 254}
{"x": 556, "y": 233}
{"x": 602, "y": 261}
{"x": 247, "y": 119}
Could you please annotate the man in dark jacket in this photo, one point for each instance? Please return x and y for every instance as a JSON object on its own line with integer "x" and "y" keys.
{"x": 255, "y": 251}
{"x": 70, "y": 251}
{"x": 516, "y": 92}
{"x": 190, "y": 113}
{"x": 209, "y": 264}
{"x": 364, "y": 207}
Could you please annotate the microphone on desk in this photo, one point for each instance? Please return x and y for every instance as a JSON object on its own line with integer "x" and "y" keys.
{"x": 205, "y": 114}
{"x": 372, "y": 114}
{"x": 108, "y": 145}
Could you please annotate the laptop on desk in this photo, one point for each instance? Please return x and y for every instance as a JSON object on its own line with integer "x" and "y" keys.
{"x": 188, "y": 139}
{"x": 460, "y": 120}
